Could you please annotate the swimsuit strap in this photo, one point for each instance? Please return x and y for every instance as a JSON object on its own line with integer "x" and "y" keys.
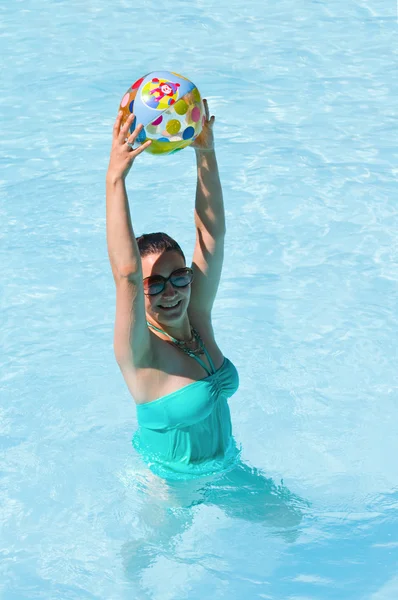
{"x": 200, "y": 361}
{"x": 191, "y": 354}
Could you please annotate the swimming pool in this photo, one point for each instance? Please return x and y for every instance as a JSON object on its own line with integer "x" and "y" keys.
{"x": 305, "y": 99}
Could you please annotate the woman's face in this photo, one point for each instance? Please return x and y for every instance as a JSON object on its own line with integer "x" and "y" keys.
{"x": 161, "y": 306}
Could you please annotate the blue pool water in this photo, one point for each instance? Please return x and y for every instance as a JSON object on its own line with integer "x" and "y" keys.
{"x": 305, "y": 100}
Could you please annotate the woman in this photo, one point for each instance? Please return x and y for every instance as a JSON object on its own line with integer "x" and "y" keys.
{"x": 165, "y": 347}
{"x": 164, "y": 341}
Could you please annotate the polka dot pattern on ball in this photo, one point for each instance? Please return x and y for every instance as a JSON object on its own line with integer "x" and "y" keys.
{"x": 177, "y": 120}
{"x": 196, "y": 95}
{"x": 137, "y": 83}
{"x": 132, "y": 126}
{"x": 181, "y": 107}
{"x": 188, "y": 133}
{"x": 125, "y": 99}
{"x": 141, "y": 136}
{"x": 173, "y": 126}
{"x": 195, "y": 114}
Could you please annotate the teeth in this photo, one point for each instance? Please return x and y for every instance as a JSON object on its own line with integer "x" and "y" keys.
{"x": 169, "y": 305}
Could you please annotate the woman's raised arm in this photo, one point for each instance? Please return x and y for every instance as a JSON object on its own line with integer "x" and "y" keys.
{"x": 209, "y": 221}
{"x": 132, "y": 339}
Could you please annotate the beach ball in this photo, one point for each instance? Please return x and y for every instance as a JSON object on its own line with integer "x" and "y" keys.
{"x": 170, "y": 108}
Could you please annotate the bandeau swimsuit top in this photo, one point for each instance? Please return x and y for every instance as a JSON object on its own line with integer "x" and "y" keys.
{"x": 188, "y": 433}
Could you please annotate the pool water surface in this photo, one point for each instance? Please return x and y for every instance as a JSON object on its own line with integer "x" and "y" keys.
{"x": 306, "y": 127}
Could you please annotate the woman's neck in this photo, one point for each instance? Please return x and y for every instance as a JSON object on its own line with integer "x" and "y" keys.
{"x": 181, "y": 332}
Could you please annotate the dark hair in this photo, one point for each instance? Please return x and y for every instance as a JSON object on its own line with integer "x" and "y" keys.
{"x": 154, "y": 243}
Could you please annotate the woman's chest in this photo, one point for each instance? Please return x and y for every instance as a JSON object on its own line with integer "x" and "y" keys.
{"x": 172, "y": 369}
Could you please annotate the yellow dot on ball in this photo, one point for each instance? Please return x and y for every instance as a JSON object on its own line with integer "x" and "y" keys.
{"x": 173, "y": 126}
{"x": 180, "y": 107}
{"x": 196, "y": 95}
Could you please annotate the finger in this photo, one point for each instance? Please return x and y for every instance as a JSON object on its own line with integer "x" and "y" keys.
{"x": 206, "y": 105}
{"x": 133, "y": 136}
{"x": 116, "y": 125}
{"x": 142, "y": 148}
{"x": 124, "y": 131}
{"x": 125, "y": 128}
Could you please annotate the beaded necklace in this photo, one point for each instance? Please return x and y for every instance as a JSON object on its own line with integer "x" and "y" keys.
{"x": 182, "y": 344}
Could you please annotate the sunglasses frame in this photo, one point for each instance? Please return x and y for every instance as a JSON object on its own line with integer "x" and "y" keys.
{"x": 166, "y": 279}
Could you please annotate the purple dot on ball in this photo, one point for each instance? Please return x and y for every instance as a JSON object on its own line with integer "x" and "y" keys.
{"x": 157, "y": 121}
{"x": 188, "y": 133}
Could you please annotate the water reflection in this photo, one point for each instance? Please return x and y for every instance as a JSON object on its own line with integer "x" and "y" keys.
{"x": 167, "y": 509}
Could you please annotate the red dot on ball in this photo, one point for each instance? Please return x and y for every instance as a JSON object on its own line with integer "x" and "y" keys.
{"x": 137, "y": 83}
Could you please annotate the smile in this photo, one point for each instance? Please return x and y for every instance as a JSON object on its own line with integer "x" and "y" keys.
{"x": 168, "y": 306}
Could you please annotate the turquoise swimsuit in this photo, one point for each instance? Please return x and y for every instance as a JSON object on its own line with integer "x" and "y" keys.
{"x": 188, "y": 433}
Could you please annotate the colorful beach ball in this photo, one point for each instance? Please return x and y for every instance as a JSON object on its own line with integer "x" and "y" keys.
{"x": 170, "y": 108}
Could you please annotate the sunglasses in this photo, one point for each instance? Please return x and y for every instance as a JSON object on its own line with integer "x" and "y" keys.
{"x": 156, "y": 283}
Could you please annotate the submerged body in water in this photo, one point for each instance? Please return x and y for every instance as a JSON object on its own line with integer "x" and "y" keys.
{"x": 168, "y": 508}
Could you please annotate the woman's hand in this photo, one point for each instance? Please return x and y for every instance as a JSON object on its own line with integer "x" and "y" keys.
{"x": 122, "y": 152}
{"x": 205, "y": 140}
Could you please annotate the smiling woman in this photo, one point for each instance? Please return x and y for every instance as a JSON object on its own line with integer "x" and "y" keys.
{"x": 164, "y": 341}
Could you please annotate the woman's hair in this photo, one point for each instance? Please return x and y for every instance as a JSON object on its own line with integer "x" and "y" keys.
{"x": 155, "y": 243}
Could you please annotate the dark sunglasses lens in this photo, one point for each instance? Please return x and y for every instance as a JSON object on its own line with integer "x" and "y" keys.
{"x": 154, "y": 286}
{"x": 181, "y": 278}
